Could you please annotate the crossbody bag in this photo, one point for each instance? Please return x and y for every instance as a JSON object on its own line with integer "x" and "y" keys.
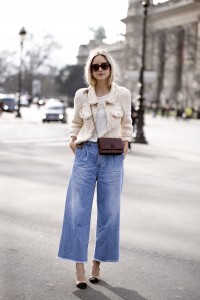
{"x": 108, "y": 146}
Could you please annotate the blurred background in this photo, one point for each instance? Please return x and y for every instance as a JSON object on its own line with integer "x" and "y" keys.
{"x": 43, "y": 49}
{"x": 45, "y": 58}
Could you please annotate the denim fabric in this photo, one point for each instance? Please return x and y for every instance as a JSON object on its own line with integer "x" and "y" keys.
{"x": 91, "y": 169}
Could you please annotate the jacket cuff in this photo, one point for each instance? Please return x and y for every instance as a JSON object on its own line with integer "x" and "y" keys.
{"x": 73, "y": 134}
{"x": 127, "y": 138}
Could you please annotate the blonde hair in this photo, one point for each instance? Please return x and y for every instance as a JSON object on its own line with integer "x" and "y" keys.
{"x": 114, "y": 70}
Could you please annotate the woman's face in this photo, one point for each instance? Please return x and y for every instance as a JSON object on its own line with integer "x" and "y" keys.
{"x": 100, "y": 68}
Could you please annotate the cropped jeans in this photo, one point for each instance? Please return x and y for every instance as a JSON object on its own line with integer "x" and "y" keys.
{"x": 90, "y": 170}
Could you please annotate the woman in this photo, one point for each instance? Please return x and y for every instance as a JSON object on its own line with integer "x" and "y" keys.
{"x": 104, "y": 109}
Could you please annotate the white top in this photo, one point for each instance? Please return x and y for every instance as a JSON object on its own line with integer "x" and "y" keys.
{"x": 101, "y": 119}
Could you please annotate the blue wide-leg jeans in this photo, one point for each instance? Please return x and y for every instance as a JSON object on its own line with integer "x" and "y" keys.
{"x": 91, "y": 169}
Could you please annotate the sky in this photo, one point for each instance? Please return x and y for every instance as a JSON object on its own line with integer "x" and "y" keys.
{"x": 67, "y": 20}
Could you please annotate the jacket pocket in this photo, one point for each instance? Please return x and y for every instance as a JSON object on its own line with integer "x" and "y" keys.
{"x": 85, "y": 115}
{"x": 116, "y": 116}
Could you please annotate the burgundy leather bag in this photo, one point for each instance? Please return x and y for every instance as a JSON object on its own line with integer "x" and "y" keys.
{"x": 111, "y": 146}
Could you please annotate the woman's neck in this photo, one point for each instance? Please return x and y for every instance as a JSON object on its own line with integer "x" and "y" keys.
{"x": 102, "y": 89}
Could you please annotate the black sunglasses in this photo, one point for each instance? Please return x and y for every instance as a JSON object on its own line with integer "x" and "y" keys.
{"x": 104, "y": 66}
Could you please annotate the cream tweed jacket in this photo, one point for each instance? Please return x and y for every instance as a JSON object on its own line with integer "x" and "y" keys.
{"x": 118, "y": 113}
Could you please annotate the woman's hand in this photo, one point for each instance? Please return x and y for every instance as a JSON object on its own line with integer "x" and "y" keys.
{"x": 125, "y": 147}
{"x": 72, "y": 144}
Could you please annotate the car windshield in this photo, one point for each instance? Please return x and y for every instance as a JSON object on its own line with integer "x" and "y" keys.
{"x": 55, "y": 107}
{"x": 8, "y": 100}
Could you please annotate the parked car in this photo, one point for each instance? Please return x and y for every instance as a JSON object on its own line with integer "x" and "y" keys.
{"x": 24, "y": 100}
{"x": 41, "y": 101}
{"x": 9, "y": 102}
{"x": 54, "y": 110}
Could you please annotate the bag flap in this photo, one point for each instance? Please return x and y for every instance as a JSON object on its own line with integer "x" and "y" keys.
{"x": 111, "y": 143}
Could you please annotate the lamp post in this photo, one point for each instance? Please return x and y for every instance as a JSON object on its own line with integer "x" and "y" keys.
{"x": 140, "y": 138}
{"x": 22, "y": 35}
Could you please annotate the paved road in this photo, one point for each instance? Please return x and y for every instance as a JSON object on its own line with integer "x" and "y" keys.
{"x": 160, "y": 219}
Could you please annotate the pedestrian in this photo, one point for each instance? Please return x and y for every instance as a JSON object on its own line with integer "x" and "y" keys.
{"x": 101, "y": 110}
{"x": 179, "y": 110}
{"x": 134, "y": 116}
{"x": 154, "y": 109}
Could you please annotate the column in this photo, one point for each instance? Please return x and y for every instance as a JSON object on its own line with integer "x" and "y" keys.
{"x": 169, "y": 91}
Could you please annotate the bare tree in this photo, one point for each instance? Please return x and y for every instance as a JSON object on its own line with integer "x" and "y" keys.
{"x": 36, "y": 63}
{"x": 37, "y": 59}
{"x": 7, "y": 66}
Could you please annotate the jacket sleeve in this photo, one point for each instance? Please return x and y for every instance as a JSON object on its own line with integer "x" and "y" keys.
{"x": 126, "y": 122}
{"x": 77, "y": 121}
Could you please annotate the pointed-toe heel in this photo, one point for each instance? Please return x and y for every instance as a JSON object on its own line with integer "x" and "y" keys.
{"x": 81, "y": 284}
{"x": 95, "y": 270}
{"x": 94, "y": 279}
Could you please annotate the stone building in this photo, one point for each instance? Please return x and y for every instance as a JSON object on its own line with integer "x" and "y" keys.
{"x": 172, "y": 51}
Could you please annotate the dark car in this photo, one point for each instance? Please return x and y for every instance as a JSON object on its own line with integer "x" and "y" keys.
{"x": 9, "y": 103}
{"x": 54, "y": 111}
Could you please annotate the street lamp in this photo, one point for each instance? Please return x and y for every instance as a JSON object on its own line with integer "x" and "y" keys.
{"x": 22, "y": 35}
{"x": 140, "y": 138}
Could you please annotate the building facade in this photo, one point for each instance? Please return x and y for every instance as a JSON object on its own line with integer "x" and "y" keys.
{"x": 172, "y": 64}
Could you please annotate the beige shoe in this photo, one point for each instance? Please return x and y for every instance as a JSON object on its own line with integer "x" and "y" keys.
{"x": 81, "y": 284}
{"x": 94, "y": 279}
